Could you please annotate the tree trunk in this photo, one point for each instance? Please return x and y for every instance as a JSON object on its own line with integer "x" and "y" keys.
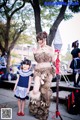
{"x": 55, "y": 25}
{"x": 9, "y": 11}
{"x": 7, "y": 42}
{"x": 53, "y": 29}
{"x": 8, "y": 61}
{"x": 37, "y": 17}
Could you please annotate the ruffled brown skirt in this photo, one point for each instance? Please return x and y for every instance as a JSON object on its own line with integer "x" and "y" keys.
{"x": 40, "y": 107}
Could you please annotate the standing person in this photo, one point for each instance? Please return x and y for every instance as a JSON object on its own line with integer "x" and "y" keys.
{"x": 43, "y": 73}
{"x": 74, "y": 54}
{"x": 77, "y": 69}
{"x": 22, "y": 85}
{"x": 75, "y": 46}
{"x": 3, "y": 63}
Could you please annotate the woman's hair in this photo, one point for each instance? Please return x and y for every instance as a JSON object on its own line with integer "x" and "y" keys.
{"x": 75, "y": 44}
{"x": 26, "y": 61}
{"x": 41, "y": 36}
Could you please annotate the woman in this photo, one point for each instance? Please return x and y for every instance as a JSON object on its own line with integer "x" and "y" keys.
{"x": 74, "y": 54}
{"x": 43, "y": 74}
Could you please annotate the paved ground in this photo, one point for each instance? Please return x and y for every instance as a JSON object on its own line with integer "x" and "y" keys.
{"x": 7, "y": 100}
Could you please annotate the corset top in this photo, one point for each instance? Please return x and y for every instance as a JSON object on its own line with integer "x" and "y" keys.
{"x": 42, "y": 57}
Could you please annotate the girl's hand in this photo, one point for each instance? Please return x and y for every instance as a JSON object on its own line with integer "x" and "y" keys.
{"x": 14, "y": 89}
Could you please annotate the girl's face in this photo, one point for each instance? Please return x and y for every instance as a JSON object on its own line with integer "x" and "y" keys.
{"x": 26, "y": 67}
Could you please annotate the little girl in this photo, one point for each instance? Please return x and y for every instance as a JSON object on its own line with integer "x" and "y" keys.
{"x": 22, "y": 85}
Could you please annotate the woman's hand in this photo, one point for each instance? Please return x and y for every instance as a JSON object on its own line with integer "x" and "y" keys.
{"x": 27, "y": 90}
{"x": 34, "y": 50}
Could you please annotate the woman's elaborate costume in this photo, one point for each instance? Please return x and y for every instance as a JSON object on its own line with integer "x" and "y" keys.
{"x": 41, "y": 93}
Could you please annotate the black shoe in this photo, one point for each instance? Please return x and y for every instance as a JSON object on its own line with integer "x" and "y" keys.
{"x": 76, "y": 85}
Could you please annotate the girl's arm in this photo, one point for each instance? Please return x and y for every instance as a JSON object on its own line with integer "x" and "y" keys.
{"x": 16, "y": 83}
{"x": 30, "y": 80}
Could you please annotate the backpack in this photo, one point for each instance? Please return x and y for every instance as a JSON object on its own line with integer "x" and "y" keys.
{"x": 75, "y": 63}
{"x": 73, "y": 102}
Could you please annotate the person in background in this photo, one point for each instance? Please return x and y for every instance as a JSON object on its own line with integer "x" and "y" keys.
{"x": 22, "y": 85}
{"x": 3, "y": 63}
{"x": 77, "y": 69}
{"x": 74, "y": 54}
{"x": 75, "y": 46}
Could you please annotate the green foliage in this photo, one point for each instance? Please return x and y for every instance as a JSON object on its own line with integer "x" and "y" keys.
{"x": 15, "y": 54}
{"x": 67, "y": 16}
{"x": 24, "y": 18}
{"x": 75, "y": 8}
{"x": 51, "y": 12}
{"x": 2, "y": 33}
{"x": 20, "y": 21}
{"x": 73, "y": 5}
{"x": 66, "y": 57}
{"x": 24, "y": 39}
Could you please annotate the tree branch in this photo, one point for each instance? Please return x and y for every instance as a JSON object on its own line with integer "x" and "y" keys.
{"x": 1, "y": 47}
{"x": 6, "y": 11}
{"x": 37, "y": 17}
{"x": 55, "y": 25}
{"x": 2, "y": 34}
{"x": 16, "y": 36}
{"x": 3, "y": 4}
{"x": 17, "y": 9}
{"x": 13, "y": 4}
{"x": 31, "y": 3}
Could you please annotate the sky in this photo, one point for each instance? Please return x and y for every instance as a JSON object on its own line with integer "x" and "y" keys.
{"x": 70, "y": 31}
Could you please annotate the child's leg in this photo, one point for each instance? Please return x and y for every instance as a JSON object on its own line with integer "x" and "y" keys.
{"x": 23, "y": 106}
{"x": 19, "y": 105}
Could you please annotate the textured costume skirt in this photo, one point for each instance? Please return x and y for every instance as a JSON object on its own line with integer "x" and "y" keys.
{"x": 40, "y": 102}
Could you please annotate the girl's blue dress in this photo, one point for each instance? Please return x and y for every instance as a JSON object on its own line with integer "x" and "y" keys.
{"x": 21, "y": 90}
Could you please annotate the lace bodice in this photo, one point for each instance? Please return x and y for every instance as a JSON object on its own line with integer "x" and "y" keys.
{"x": 42, "y": 57}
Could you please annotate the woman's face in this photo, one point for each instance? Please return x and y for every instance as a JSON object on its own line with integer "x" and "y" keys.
{"x": 42, "y": 42}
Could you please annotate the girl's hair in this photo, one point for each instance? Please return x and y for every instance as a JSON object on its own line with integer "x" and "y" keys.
{"x": 26, "y": 61}
{"x": 41, "y": 36}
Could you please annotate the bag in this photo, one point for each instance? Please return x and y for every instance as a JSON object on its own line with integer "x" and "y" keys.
{"x": 73, "y": 102}
{"x": 73, "y": 64}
